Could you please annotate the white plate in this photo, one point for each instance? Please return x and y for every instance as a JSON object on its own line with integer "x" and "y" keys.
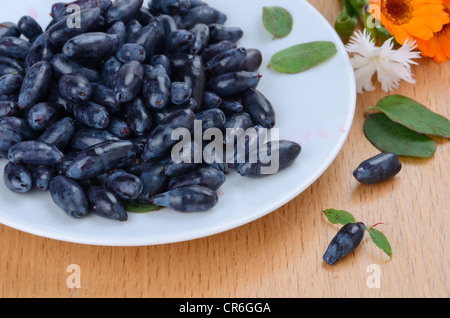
{"x": 314, "y": 108}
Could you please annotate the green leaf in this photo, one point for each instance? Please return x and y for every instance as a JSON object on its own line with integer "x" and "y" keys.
{"x": 138, "y": 207}
{"x": 381, "y": 241}
{"x": 339, "y": 216}
{"x": 278, "y": 21}
{"x": 389, "y": 136}
{"x": 302, "y": 57}
{"x": 414, "y": 115}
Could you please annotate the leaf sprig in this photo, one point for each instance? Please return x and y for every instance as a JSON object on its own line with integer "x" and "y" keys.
{"x": 298, "y": 58}
{"x": 138, "y": 207}
{"x": 354, "y": 14}
{"x": 343, "y": 217}
{"x": 278, "y": 21}
{"x": 403, "y": 126}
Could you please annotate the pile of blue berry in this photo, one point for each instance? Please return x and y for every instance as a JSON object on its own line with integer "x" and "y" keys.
{"x": 88, "y": 103}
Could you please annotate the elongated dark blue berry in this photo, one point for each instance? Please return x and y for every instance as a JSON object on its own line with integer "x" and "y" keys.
{"x": 17, "y": 178}
{"x": 29, "y": 27}
{"x": 128, "y": 82}
{"x": 228, "y": 61}
{"x": 172, "y": 7}
{"x": 10, "y": 66}
{"x": 104, "y": 96}
{"x": 160, "y": 141}
{"x": 179, "y": 41}
{"x": 211, "y": 118}
{"x": 35, "y": 153}
{"x": 41, "y": 116}
{"x": 8, "y": 108}
{"x": 9, "y": 29}
{"x": 8, "y": 138}
{"x": 193, "y": 74}
{"x": 40, "y": 50}
{"x": 215, "y": 49}
{"x": 219, "y": 32}
{"x": 75, "y": 87}
{"x": 63, "y": 30}
{"x": 379, "y": 168}
{"x": 42, "y": 176}
{"x": 206, "y": 176}
{"x": 163, "y": 60}
{"x": 131, "y": 52}
{"x": 132, "y": 27}
{"x": 99, "y": 159}
{"x": 236, "y": 123}
{"x": 201, "y": 38}
{"x": 203, "y": 14}
{"x": 139, "y": 116}
{"x": 10, "y": 84}
{"x": 180, "y": 92}
{"x": 85, "y": 137}
{"x": 231, "y": 107}
{"x": 106, "y": 203}
{"x": 35, "y": 84}
{"x": 126, "y": 185}
{"x": 119, "y": 127}
{"x": 211, "y": 100}
{"x": 89, "y": 47}
{"x": 123, "y": 10}
{"x": 252, "y": 61}
{"x": 92, "y": 115}
{"x": 147, "y": 37}
{"x": 109, "y": 70}
{"x": 259, "y": 108}
{"x": 234, "y": 83}
{"x": 270, "y": 159}
{"x": 60, "y": 133}
{"x": 62, "y": 66}
{"x": 18, "y": 125}
{"x": 193, "y": 198}
{"x": 156, "y": 88}
{"x": 14, "y": 47}
{"x": 346, "y": 241}
{"x": 154, "y": 180}
{"x": 120, "y": 30}
{"x": 69, "y": 196}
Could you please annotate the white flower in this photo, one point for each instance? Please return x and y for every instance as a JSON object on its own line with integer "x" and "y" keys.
{"x": 391, "y": 65}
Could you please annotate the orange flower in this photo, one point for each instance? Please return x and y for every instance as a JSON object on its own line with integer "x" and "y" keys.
{"x": 410, "y": 19}
{"x": 437, "y": 47}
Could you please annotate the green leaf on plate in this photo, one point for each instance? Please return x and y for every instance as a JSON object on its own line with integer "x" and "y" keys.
{"x": 414, "y": 115}
{"x": 389, "y": 136}
{"x": 339, "y": 216}
{"x": 302, "y": 57}
{"x": 278, "y": 21}
{"x": 138, "y": 207}
{"x": 381, "y": 241}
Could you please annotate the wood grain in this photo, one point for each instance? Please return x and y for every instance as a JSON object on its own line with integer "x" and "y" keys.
{"x": 279, "y": 255}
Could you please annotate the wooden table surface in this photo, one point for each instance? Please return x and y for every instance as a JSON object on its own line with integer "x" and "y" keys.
{"x": 279, "y": 255}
